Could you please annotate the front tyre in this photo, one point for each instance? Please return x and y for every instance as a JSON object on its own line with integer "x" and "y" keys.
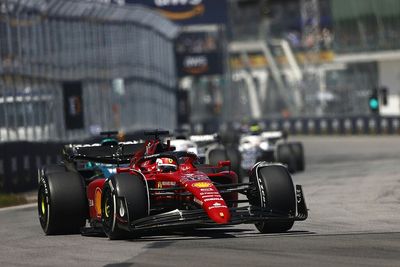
{"x": 124, "y": 199}
{"x": 109, "y": 214}
{"x": 273, "y": 191}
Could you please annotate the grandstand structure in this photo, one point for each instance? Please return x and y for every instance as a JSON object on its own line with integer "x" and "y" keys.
{"x": 315, "y": 57}
{"x": 70, "y": 69}
{"x": 367, "y": 41}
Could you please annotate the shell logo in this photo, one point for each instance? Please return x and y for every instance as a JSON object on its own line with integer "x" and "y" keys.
{"x": 97, "y": 201}
{"x": 202, "y": 185}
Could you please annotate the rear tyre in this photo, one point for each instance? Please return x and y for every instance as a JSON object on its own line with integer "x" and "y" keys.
{"x": 124, "y": 199}
{"x": 49, "y": 169}
{"x": 298, "y": 152}
{"x": 274, "y": 191}
{"x": 267, "y": 156}
{"x": 286, "y": 156}
{"x": 235, "y": 157}
{"x": 62, "y": 203}
{"x": 244, "y": 174}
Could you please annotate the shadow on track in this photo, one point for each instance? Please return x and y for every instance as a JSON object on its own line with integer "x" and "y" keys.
{"x": 208, "y": 233}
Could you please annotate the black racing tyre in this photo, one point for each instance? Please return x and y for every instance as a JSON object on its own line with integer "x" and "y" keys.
{"x": 48, "y": 169}
{"x": 53, "y": 168}
{"x": 243, "y": 174}
{"x": 298, "y": 152}
{"x": 216, "y": 155}
{"x": 235, "y": 157}
{"x": 229, "y": 137}
{"x": 124, "y": 199}
{"x": 274, "y": 191}
{"x": 62, "y": 203}
{"x": 267, "y": 156}
{"x": 286, "y": 156}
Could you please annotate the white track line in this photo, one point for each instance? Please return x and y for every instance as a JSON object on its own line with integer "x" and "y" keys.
{"x": 19, "y": 207}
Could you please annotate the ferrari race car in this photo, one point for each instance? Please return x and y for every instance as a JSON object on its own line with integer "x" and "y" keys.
{"x": 271, "y": 146}
{"x": 155, "y": 187}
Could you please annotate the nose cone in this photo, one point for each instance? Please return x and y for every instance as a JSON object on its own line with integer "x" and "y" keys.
{"x": 218, "y": 212}
{"x": 207, "y": 195}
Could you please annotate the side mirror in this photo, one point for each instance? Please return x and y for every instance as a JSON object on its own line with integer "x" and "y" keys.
{"x": 224, "y": 163}
{"x": 122, "y": 169}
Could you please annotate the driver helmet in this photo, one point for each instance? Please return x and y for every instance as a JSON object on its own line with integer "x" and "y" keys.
{"x": 109, "y": 142}
{"x": 166, "y": 165}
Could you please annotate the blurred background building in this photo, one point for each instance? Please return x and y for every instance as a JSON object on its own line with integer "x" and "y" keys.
{"x": 132, "y": 64}
{"x": 70, "y": 69}
{"x": 309, "y": 58}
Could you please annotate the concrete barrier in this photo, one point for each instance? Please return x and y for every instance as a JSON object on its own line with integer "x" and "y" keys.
{"x": 345, "y": 125}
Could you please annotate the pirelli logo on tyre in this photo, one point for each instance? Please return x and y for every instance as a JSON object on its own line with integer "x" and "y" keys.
{"x": 202, "y": 184}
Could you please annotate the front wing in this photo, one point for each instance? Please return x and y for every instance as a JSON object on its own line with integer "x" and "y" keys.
{"x": 239, "y": 215}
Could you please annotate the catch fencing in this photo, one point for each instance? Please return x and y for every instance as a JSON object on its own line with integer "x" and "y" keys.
{"x": 69, "y": 69}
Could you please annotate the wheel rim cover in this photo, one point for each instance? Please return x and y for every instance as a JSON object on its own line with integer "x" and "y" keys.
{"x": 43, "y": 205}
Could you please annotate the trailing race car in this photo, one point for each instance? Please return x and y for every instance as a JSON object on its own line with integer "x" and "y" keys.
{"x": 181, "y": 142}
{"x": 161, "y": 188}
{"x": 209, "y": 149}
{"x": 271, "y": 146}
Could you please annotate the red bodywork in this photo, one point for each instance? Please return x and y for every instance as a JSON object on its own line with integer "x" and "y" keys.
{"x": 187, "y": 178}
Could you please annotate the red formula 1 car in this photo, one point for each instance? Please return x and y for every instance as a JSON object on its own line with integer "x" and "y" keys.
{"x": 124, "y": 189}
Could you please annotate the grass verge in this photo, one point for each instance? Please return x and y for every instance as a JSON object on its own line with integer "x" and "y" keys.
{"x": 7, "y": 200}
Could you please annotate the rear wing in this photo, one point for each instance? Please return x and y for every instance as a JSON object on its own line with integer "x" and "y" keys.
{"x": 206, "y": 138}
{"x": 273, "y": 135}
{"x": 120, "y": 154}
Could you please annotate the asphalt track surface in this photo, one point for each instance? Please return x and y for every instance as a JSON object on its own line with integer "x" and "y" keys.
{"x": 352, "y": 188}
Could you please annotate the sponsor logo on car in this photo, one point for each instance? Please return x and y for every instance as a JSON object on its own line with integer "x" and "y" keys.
{"x": 217, "y": 206}
{"x": 193, "y": 177}
{"x": 163, "y": 184}
{"x": 207, "y": 189}
{"x": 213, "y": 199}
{"x": 298, "y": 195}
{"x": 97, "y": 201}
{"x": 211, "y": 194}
{"x": 202, "y": 184}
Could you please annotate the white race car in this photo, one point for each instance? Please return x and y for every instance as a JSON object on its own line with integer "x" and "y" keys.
{"x": 206, "y": 147}
{"x": 185, "y": 145}
{"x": 209, "y": 149}
{"x": 271, "y": 146}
